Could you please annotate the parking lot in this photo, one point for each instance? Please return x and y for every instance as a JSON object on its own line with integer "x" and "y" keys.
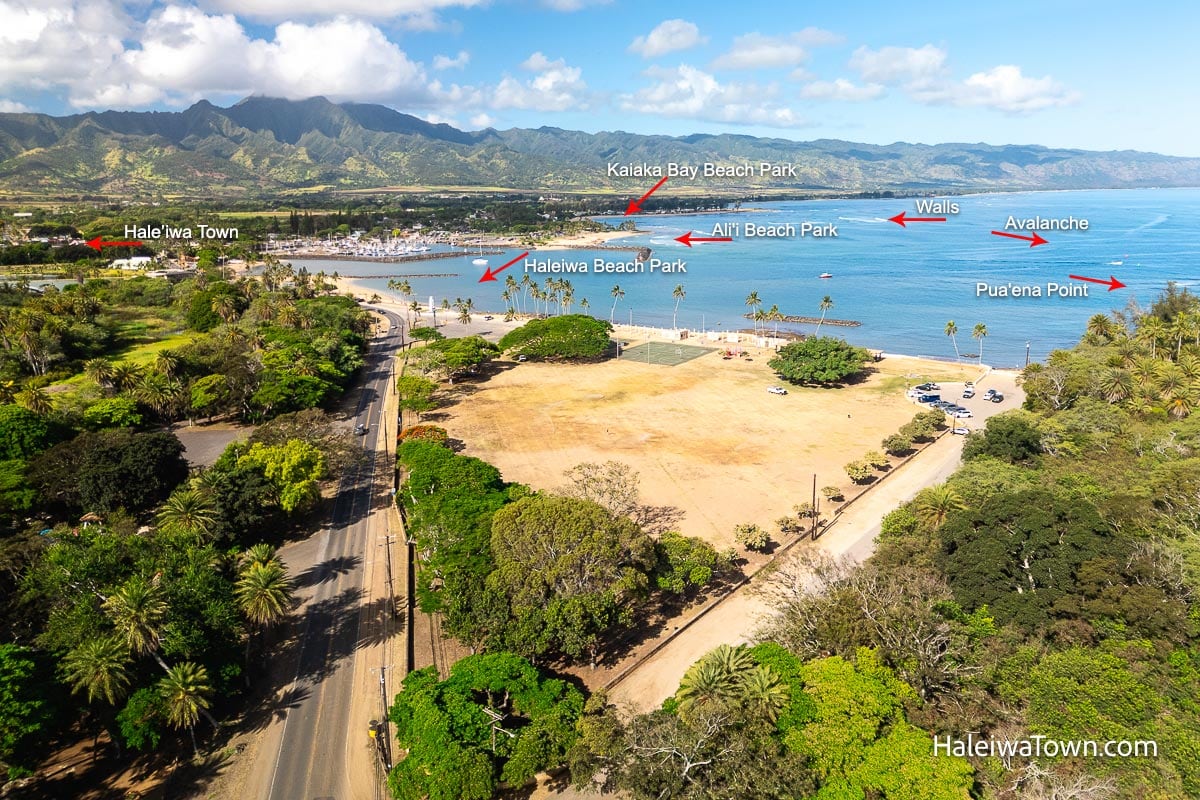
{"x": 979, "y": 405}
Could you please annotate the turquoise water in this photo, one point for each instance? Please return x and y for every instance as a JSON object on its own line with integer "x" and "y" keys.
{"x": 902, "y": 284}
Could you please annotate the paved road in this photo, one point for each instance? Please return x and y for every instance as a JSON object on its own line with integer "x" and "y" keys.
{"x": 305, "y": 759}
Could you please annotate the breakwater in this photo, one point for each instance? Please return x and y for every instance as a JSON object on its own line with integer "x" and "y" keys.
{"x": 837, "y": 323}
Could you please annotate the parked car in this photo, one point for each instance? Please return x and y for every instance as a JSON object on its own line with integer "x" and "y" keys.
{"x": 962, "y": 413}
{"x": 776, "y": 390}
{"x": 968, "y": 393}
{"x": 960, "y": 431}
{"x": 997, "y": 398}
{"x": 927, "y": 387}
{"x": 522, "y": 357}
{"x": 929, "y": 398}
{"x": 989, "y": 394}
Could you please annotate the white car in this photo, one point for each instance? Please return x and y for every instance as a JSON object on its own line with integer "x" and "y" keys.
{"x": 962, "y": 414}
{"x": 776, "y": 390}
{"x": 960, "y": 431}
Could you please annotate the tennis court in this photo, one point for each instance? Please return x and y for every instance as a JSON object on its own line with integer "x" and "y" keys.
{"x": 668, "y": 354}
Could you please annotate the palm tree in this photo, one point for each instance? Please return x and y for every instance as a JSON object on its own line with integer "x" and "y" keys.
{"x": 934, "y": 504}
{"x": 166, "y": 362}
{"x": 263, "y": 591}
{"x": 160, "y": 393}
{"x": 773, "y": 314}
{"x": 1151, "y": 330}
{"x": 185, "y": 691}
{"x": 584, "y": 305}
{"x": 825, "y": 304}
{"x": 716, "y": 679}
{"x": 1099, "y": 329}
{"x": 1116, "y": 385}
{"x": 100, "y": 370}
{"x": 952, "y": 332}
{"x": 189, "y": 510}
{"x": 1182, "y": 327}
{"x": 678, "y": 294}
{"x": 764, "y": 693}
{"x": 753, "y": 303}
{"x": 415, "y": 308}
{"x": 36, "y": 400}
{"x": 100, "y": 666}
{"x": 126, "y": 376}
{"x": 261, "y": 553}
{"x": 617, "y": 293}
{"x": 979, "y": 332}
{"x": 224, "y": 307}
{"x": 136, "y": 609}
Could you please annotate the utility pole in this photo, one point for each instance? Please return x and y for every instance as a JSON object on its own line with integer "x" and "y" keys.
{"x": 814, "y": 508}
{"x": 1027, "y": 354}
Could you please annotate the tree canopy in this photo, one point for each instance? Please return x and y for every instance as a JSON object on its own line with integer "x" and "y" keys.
{"x": 571, "y": 337}
{"x": 822, "y": 361}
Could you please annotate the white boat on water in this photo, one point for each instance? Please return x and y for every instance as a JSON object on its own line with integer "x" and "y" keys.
{"x": 481, "y": 261}
{"x": 825, "y": 275}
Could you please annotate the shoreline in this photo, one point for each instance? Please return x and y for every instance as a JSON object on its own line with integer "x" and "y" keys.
{"x": 639, "y": 332}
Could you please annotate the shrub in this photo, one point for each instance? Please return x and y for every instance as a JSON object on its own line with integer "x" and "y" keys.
{"x": 425, "y": 433}
{"x": 832, "y": 492}
{"x": 751, "y": 537}
{"x": 897, "y": 444}
{"x": 858, "y": 471}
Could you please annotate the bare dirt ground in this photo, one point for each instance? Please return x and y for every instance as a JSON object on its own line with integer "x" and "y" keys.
{"x": 705, "y": 436}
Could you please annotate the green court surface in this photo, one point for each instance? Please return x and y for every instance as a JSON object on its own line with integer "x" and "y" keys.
{"x": 668, "y": 354}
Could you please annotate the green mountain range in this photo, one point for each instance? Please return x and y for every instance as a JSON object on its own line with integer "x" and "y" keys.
{"x": 265, "y": 145}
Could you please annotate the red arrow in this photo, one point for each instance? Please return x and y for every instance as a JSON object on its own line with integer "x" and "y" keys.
{"x": 1112, "y": 282}
{"x": 635, "y": 206}
{"x": 490, "y": 275}
{"x": 1034, "y": 240}
{"x": 687, "y": 238}
{"x": 96, "y": 244}
{"x": 900, "y": 219}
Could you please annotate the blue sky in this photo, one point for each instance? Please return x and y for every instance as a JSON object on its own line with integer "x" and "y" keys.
{"x": 1093, "y": 75}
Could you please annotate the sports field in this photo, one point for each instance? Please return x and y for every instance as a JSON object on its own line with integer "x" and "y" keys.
{"x": 668, "y": 354}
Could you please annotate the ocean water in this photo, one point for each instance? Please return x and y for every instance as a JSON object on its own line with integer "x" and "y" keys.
{"x": 902, "y": 284}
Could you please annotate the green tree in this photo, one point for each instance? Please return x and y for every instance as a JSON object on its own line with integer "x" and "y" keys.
{"x": 23, "y": 433}
{"x": 1010, "y": 437}
{"x": 112, "y": 412}
{"x": 26, "y": 711}
{"x": 824, "y": 306}
{"x": 751, "y": 537}
{"x": 140, "y": 721}
{"x": 99, "y": 667}
{"x": 569, "y": 337}
{"x": 294, "y": 470}
{"x": 210, "y": 395}
{"x": 821, "y": 361}
{"x": 686, "y": 563}
{"x": 415, "y": 394}
{"x": 185, "y": 692}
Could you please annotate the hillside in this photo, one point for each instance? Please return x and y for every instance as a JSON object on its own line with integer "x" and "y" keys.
{"x": 266, "y": 145}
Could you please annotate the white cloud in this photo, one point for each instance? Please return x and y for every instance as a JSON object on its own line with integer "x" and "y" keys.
{"x": 686, "y": 91}
{"x": 757, "y": 51}
{"x": 457, "y": 62}
{"x": 481, "y": 121}
{"x": 12, "y": 107}
{"x": 43, "y": 44}
{"x": 1004, "y": 88}
{"x": 893, "y": 66}
{"x": 186, "y": 54}
{"x": 291, "y": 9}
{"x": 667, "y": 37}
{"x": 922, "y": 73}
{"x": 841, "y": 89}
{"x": 555, "y": 87}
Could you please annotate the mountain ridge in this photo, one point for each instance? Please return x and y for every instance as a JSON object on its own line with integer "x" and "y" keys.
{"x": 263, "y": 145}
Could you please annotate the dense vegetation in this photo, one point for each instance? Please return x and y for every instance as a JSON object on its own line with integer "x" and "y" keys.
{"x": 545, "y": 576}
{"x": 133, "y": 590}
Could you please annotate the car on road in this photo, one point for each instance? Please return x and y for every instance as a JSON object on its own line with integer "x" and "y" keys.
{"x": 776, "y": 390}
{"x": 962, "y": 413}
{"x": 522, "y": 357}
{"x": 960, "y": 431}
{"x": 489, "y": 318}
{"x": 997, "y": 398}
{"x": 968, "y": 393}
{"x": 360, "y": 429}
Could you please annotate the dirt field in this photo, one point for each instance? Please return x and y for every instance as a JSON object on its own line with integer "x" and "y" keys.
{"x": 705, "y": 435}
